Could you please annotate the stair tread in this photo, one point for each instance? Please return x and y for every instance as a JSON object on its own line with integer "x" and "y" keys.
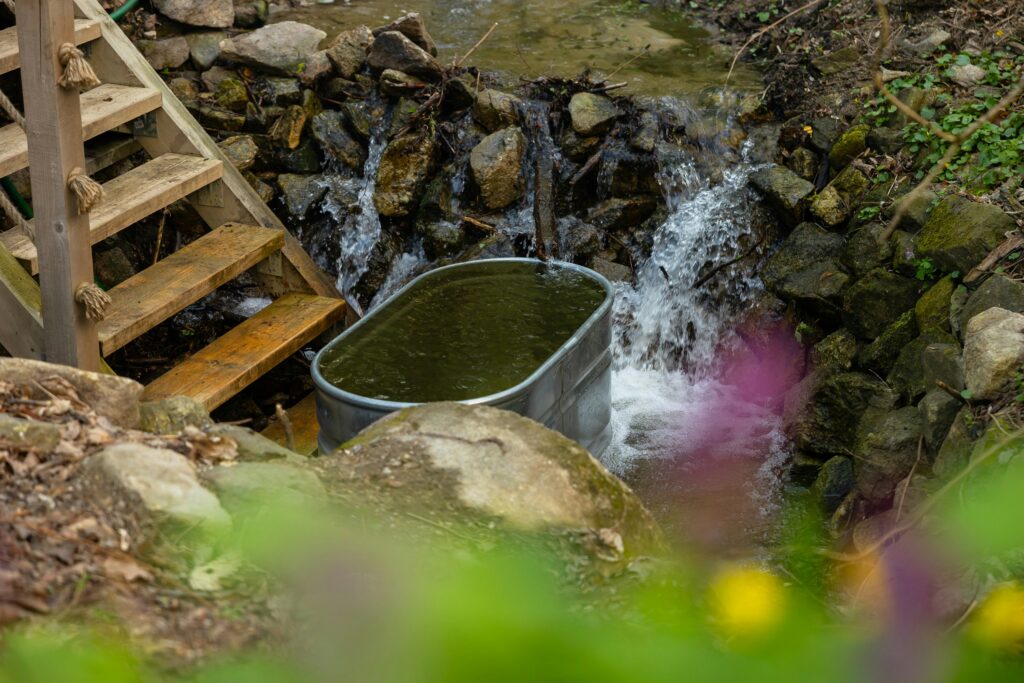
{"x": 131, "y": 197}
{"x": 147, "y": 299}
{"x": 85, "y": 30}
{"x": 232, "y": 362}
{"x": 304, "y": 424}
{"x": 103, "y": 108}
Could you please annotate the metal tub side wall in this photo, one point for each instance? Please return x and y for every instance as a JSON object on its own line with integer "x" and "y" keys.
{"x": 570, "y": 392}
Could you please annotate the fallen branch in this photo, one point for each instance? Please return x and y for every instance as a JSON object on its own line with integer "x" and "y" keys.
{"x": 1012, "y": 242}
{"x": 722, "y": 266}
{"x": 476, "y": 223}
{"x": 766, "y": 29}
{"x": 458, "y": 62}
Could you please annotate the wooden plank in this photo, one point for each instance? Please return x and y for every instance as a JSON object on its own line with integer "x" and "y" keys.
{"x": 21, "y": 324}
{"x": 131, "y": 197}
{"x": 102, "y": 108}
{"x": 86, "y": 30}
{"x": 54, "y": 125}
{"x": 144, "y": 301}
{"x": 117, "y": 61}
{"x": 304, "y": 426}
{"x": 107, "y": 149}
{"x": 233, "y": 362}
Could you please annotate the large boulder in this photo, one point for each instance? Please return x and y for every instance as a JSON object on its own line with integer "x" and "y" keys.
{"x": 993, "y": 351}
{"x": 277, "y": 48}
{"x": 413, "y": 27}
{"x": 876, "y": 300}
{"x": 347, "y": 51}
{"x": 806, "y": 265}
{"x": 886, "y": 449}
{"x": 212, "y": 13}
{"x": 116, "y": 398}
{"x": 497, "y": 167}
{"x": 785, "y": 191}
{"x": 592, "y": 114}
{"x": 244, "y": 487}
{"x": 169, "y": 53}
{"x": 403, "y": 172}
{"x": 478, "y": 465}
{"x": 960, "y": 233}
{"x": 392, "y": 50}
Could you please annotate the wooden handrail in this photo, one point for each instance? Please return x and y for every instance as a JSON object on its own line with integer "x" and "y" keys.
{"x": 54, "y": 131}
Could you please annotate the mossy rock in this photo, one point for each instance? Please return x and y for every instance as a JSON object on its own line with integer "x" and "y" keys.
{"x": 908, "y": 372}
{"x": 943, "y": 363}
{"x": 876, "y": 300}
{"x": 835, "y": 353}
{"x": 904, "y": 253}
{"x": 932, "y": 309}
{"x": 786, "y": 192}
{"x": 885, "y": 450}
{"x": 849, "y": 146}
{"x": 879, "y": 355}
{"x": 960, "y": 233}
{"x": 835, "y": 480}
{"x": 806, "y": 265}
{"x": 998, "y": 291}
{"x": 863, "y": 253}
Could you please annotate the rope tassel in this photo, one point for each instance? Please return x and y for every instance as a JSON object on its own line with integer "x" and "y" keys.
{"x": 77, "y": 71}
{"x": 86, "y": 190}
{"x": 94, "y": 299}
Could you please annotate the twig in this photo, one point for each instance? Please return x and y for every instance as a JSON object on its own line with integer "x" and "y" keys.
{"x": 949, "y": 390}
{"x": 722, "y": 266}
{"x": 1014, "y": 241}
{"x": 910, "y": 478}
{"x": 610, "y": 87}
{"x": 458, "y": 62}
{"x": 620, "y": 67}
{"x": 479, "y": 224}
{"x": 159, "y": 236}
{"x": 286, "y": 423}
{"x": 766, "y": 29}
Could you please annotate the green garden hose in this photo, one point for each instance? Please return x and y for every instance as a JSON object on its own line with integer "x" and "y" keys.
{"x": 124, "y": 9}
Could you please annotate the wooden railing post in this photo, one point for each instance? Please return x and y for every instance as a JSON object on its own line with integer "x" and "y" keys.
{"x": 54, "y": 129}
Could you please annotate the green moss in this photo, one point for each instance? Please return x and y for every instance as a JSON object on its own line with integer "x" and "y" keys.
{"x": 849, "y": 146}
{"x": 932, "y": 309}
{"x": 960, "y": 233}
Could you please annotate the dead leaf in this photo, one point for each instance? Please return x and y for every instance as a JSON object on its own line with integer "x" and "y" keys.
{"x": 125, "y": 569}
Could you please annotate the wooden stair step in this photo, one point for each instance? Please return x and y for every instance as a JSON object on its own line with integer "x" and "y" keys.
{"x": 105, "y": 150}
{"x": 304, "y": 425}
{"x": 85, "y": 30}
{"x": 103, "y": 108}
{"x": 147, "y": 299}
{"x": 131, "y": 197}
{"x": 231, "y": 363}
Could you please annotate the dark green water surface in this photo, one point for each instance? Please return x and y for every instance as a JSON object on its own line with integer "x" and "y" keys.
{"x": 463, "y": 333}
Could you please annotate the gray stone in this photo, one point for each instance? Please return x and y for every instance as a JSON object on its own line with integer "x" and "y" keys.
{"x": 278, "y": 91}
{"x": 497, "y": 167}
{"x": 247, "y": 486}
{"x": 838, "y": 61}
{"x": 885, "y": 140}
{"x": 204, "y": 48}
{"x": 397, "y": 84}
{"x": 172, "y": 415}
{"x": 836, "y": 352}
{"x": 347, "y": 51}
{"x": 917, "y": 212}
{"x": 212, "y": 13}
{"x": 834, "y": 481}
{"x": 645, "y": 139}
{"x": 212, "y": 77}
{"x": 254, "y": 447}
{"x": 908, "y": 372}
{"x": 495, "y": 110}
{"x": 942, "y": 362}
{"x": 615, "y": 272}
{"x": 931, "y": 42}
{"x": 880, "y": 355}
{"x": 413, "y": 27}
{"x": 456, "y": 461}
{"x": 22, "y": 434}
{"x": 301, "y": 192}
{"x": 241, "y": 151}
{"x": 806, "y": 265}
{"x": 993, "y": 351}
{"x": 938, "y": 410}
{"x": 784, "y": 190}
{"x": 578, "y": 148}
{"x": 169, "y": 53}
{"x": 251, "y": 14}
{"x": 329, "y": 130}
{"x": 876, "y": 300}
{"x": 403, "y": 172}
{"x": 184, "y": 89}
{"x": 592, "y": 114}
{"x": 276, "y": 48}
{"x": 442, "y": 238}
{"x": 619, "y": 213}
{"x": 360, "y": 117}
{"x": 998, "y": 291}
{"x": 804, "y": 163}
{"x": 968, "y": 75}
{"x": 863, "y": 253}
{"x": 112, "y": 266}
{"x": 317, "y": 68}
{"x": 392, "y": 50}
{"x": 956, "y": 447}
{"x": 959, "y": 233}
{"x": 116, "y": 398}
{"x": 885, "y": 450}
{"x": 231, "y": 95}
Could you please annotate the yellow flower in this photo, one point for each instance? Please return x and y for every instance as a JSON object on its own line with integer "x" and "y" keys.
{"x": 746, "y": 601}
{"x": 999, "y": 621}
{"x": 999, "y": 33}
{"x": 808, "y": 130}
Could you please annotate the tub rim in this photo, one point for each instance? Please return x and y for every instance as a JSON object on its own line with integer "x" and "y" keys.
{"x": 359, "y": 400}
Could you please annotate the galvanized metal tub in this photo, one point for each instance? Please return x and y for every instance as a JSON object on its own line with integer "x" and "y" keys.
{"x": 569, "y": 392}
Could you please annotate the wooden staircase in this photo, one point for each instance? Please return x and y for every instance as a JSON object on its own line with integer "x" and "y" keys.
{"x": 184, "y": 163}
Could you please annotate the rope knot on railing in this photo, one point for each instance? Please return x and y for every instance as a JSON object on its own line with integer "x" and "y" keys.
{"x": 86, "y": 190}
{"x": 78, "y": 72}
{"x": 94, "y": 299}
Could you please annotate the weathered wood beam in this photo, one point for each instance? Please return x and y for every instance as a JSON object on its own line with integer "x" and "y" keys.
{"x": 21, "y": 324}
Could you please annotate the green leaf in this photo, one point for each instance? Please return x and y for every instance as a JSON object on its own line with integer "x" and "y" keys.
{"x": 928, "y": 113}
{"x": 966, "y": 394}
{"x": 763, "y": 16}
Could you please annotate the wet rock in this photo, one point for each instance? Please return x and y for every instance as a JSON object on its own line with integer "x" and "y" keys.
{"x": 960, "y": 233}
{"x": 204, "y": 48}
{"x": 629, "y": 173}
{"x": 212, "y": 77}
{"x": 804, "y": 163}
{"x": 579, "y": 240}
{"x": 806, "y": 265}
{"x": 403, "y": 172}
{"x": 645, "y": 139}
{"x": 288, "y": 128}
{"x": 577, "y": 148}
{"x": 328, "y": 129}
{"x": 392, "y": 50}
{"x": 301, "y": 192}
{"x": 907, "y": 375}
{"x": 397, "y": 84}
{"x": 466, "y": 463}
{"x": 231, "y": 95}
{"x": 277, "y": 91}
{"x": 785, "y": 191}
{"x": 836, "y": 352}
{"x": 247, "y": 486}
{"x": 360, "y": 117}
{"x": 592, "y": 114}
{"x": 112, "y": 266}
{"x": 304, "y": 159}
{"x": 442, "y": 238}
{"x": 932, "y": 309}
{"x": 863, "y": 253}
{"x": 116, "y": 398}
{"x": 886, "y": 449}
{"x": 317, "y": 68}
{"x": 993, "y": 351}
{"x": 276, "y": 48}
{"x": 169, "y": 53}
{"x": 221, "y": 119}
{"x": 172, "y": 415}
{"x": 251, "y": 14}
{"x": 413, "y": 27}
{"x": 834, "y": 205}
{"x": 211, "y": 13}
{"x": 998, "y": 291}
{"x": 876, "y": 300}
{"x": 347, "y": 51}
{"x": 241, "y": 151}
{"x": 497, "y": 167}
{"x": 495, "y": 110}
{"x": 460, "y": 94}
{"x": 22, "y": 434}
{"x": 498, "y": 245}
{"x": 849, "y": 146}
{"x": 265, "y": 191}
{"x": 834, "y": 481}
{"x": 615, "y": 272}
{"x": 880, "y": 355}
{"x": 620, "y": 213}
{"x": 821, "y": 413}
{"x": 938, "y": 410}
